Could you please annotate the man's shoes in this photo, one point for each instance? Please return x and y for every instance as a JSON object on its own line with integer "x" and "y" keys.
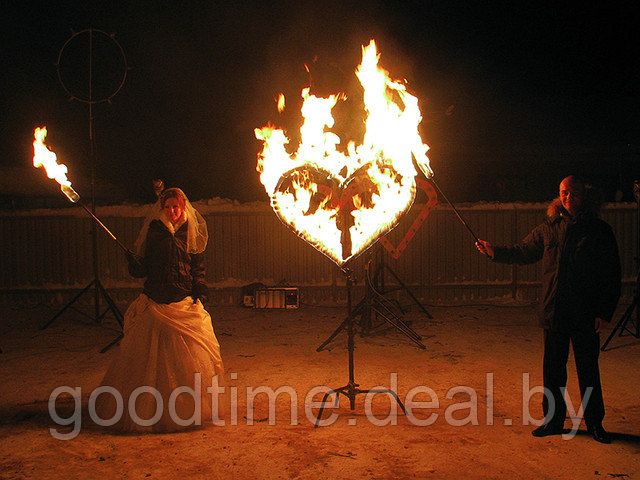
{"x": 548, "y": 429}
{"x": 598, "y": 433}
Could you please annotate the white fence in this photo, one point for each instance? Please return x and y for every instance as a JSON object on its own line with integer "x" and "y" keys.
{"x": 50, "y": 251}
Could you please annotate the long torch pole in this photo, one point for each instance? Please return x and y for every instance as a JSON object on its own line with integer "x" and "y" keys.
{"x": 73, "y": 196}
{"x": 433, "y": 181}
{"x": 104, "y": 226}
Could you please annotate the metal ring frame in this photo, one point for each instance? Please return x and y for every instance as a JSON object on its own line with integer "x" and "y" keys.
{"x": 91, "y": 100}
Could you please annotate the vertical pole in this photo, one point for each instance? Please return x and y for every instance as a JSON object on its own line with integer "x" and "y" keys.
{"x": 381, "y": 269}
{"x": 514, "y": 268}
{"x": 350, "y": 348}
{"x": 636, "y": 194}
{"x": 94, "y": 230}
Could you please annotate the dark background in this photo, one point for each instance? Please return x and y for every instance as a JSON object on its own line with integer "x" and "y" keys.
{"x": 514, "y": 95}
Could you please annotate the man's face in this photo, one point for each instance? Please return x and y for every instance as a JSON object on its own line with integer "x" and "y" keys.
{"x": 571, "y": 194}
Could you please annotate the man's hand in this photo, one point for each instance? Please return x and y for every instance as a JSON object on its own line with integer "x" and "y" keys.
{"x": 485, "y": 248}
{"x": 600, "y": 324}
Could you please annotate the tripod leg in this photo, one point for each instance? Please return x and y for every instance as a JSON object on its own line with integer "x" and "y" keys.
{"x": 376, "y": 301}
{"x": 112, "y": 305}
{"x": 68, "y": 305}
{"x": 391, "y": 392}
{"x": 337, "y": 391}
{"x": 394, "y": 320}
{"x": 324, "y": 400}
{"x": 332, "y": 336}
{"x": 635, "y": 323}
{"x": 114, "y": 342}
{"x": 395, "y": 395}
{"x": 621, "y": 323}
{"x": 405, "y": 329}
{"x": 116, "y": 313}
{"x": 351, "y": 393}
{"x": 406, "y": 289}
{"x": 397, "y": 321}
{"x": 341, "y": 327}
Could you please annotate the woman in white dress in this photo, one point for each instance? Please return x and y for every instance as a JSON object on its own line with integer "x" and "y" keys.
{"x": 169, "y": 356}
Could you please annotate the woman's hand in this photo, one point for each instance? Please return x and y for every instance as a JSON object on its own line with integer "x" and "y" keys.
{"x": 136, "y": 269}
{"x": 200, "y": 291}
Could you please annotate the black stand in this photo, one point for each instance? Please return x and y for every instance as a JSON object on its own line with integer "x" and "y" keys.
{"x": 378, "y": 280}
{"x": 628, "y": 315}
{"x": 635, "y": 303}
{"x": 372, "y": 303}
{"x": 351, "y": 389}
{"x": 90, "y": 100}
{"x": 99, "y": 290}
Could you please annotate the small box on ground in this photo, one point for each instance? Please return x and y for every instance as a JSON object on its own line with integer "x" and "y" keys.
{"x": 277, "y": 297}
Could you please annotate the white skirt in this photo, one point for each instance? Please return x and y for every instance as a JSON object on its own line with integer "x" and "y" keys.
{"x": 167, "y": 360}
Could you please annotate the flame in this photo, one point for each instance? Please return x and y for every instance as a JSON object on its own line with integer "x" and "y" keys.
{"x": 280, "y": 103}
{"x": 43, "y": 157}
{"x": 343, "y": 201}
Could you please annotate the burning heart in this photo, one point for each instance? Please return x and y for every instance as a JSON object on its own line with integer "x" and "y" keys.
{"x": 342, "y": 202}
{"x": 339, "y": 217}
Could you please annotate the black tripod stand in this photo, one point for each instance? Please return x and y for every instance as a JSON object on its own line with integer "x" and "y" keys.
{"x": 378, "y": 281}
{"x": 109, "y": 43}
{"x": 373, "y": 303}
{"x": 628, "y": 315}
{"x": 635, "y": 303}
{"x": 351, "y": 389}
{"x": 98, "y": 291}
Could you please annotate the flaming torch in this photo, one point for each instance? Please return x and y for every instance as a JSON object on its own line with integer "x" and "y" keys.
{"x": 43, "y": 157}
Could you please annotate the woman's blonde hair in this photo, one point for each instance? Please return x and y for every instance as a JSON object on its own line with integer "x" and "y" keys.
{"x": 173, "y": 193}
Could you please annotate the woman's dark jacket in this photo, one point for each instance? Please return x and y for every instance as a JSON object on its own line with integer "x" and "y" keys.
{"x": 580, "y": 267}
{"x": 172, "y": 273}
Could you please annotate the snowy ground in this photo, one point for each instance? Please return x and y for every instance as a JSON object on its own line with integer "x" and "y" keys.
{"x": 478, "y": 352}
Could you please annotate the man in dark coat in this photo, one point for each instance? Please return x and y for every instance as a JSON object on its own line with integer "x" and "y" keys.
{"x": 580, "y": 291}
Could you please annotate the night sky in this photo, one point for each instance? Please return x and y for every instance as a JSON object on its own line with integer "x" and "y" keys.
{"x": 514, "y": 95}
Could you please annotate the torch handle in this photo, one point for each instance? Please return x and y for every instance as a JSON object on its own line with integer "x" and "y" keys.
{"x": 433, "y": 181}
{"x": 125, "y": 249}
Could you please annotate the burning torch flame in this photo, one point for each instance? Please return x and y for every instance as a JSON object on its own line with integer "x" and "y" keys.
{"x": 280, "y": 103}
{"x": 343, "y": 201}
{"x": 43, "y": 157}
